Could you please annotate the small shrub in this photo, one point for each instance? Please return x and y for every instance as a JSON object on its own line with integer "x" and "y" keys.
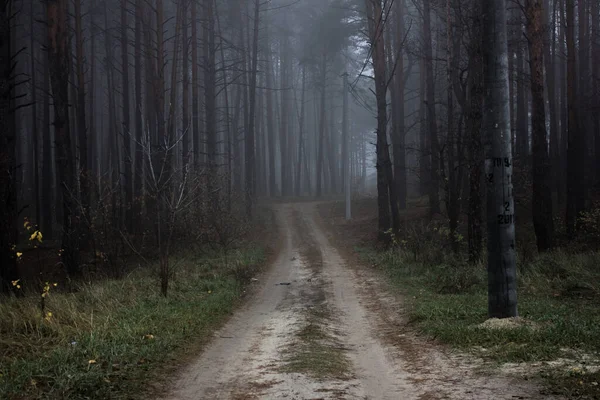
{"x": 458, "y": 276}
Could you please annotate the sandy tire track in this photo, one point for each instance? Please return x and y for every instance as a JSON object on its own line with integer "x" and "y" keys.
{"x": 247, "y": 358}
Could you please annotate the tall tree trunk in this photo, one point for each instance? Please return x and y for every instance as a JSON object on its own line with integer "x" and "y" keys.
{"x": 284, "y": 136}
{"x": 425, "y": 157}
{"x": 8, "y": 163}
{"x": 209, "y": 86}
{"x": 59, "y": 76}
{"x": 553, "y": 109}
{"x": 522, "y": 113}
{"x": 138, "y": 169}
{"x": 250, "y": 151}
{"x": 596, "y": 84}
{"x": 34, "y": 120}
{"x": 576, "y": 143}
{"x": 270, "y": 122}
{"x": 542, "y": 191}
{"x": 128, "y": 158}
{"x": 452, "y": 187}
{"x": 475, "y": 150}
{"x": 386, "y": 189}
{"x": 502, "y": 279}
{"x": 564, "y": 112}
{"x": 172, "y": 115}
{"x": 84, "y": 168}
{"x": 185, "y": 112}
{"x": 47, "y": 161}
{"x": 301, "y": 134}
{"x": 399, "y": 131}
{"x": 434, "y": 200}
{"x": 195, "y": 87}
{"x": 321, "y": 141}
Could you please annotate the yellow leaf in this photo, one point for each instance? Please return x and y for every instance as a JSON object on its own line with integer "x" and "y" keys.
{"x": 92, "y": 362}
{"x": 19, "y": 254}
{"x": 33, "y": 236}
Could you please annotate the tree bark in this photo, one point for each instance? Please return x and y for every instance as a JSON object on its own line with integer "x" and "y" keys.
{"x": 434, "y": 200}
{"x": 8, "y": 163}
{"x": 250, "y": 151}
{"x": 209, "y": 86}
{"x": 399, "y": 131}
{"x": 502, "y": 280}
{"x": 596, "y": 84}
{"x": 270, "y": 123}
{"x": 47, "y": 161}
{"x": 301, "y": 134}
{"x": 138, "y": 169}
{"x": 59, "y": 77}
{"x": 84, "y": 168}
{"x": 320, "y": 146}
{"x": 576, "y": 143}
{"x": 386, "y": 189}
{"x": 195, "y": 87}
{"x": 542, "y": 191}
{"x": 185, "y": 104}
{"x": 475, "y": 150}
{"x": 127, "y": 156}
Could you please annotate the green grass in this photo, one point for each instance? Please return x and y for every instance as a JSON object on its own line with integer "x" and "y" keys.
{"x": 317, "y": 352}
{"x": 114, "y": 339}
{"x": 558, "y": 294}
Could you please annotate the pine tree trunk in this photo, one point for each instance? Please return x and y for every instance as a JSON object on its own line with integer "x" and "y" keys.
{"x": 185, "y": 112}
{"x": 301, "y": 134}
{"x": 386, "y": 189}
{"x": 542, "y": 191}
{"x": 399, "y": 138}
{"x": 195, "y": 87}
{"x": 284, "y": 123}
{"x": 553, "y": 109}
{"x": 434, "y": 200}
{"x": 475, "y": 150}
{"x": 47, "y": 224}
{"x": 209, "y": 86}
{"x": 502, "y": 280}
{"x": 59, "y": 54}
{"x": 320, "y": 146}
{"x": 576, "y": 142}
{"x": 8, "y": 163}
{"x": 138, "y": 169}
{"x": 127, "y": 159}
{"x": 270, "y": 121}
{"x": 85, "y": 171}
{"x": 250, "y": 151}
{"x": 596, "y": 84}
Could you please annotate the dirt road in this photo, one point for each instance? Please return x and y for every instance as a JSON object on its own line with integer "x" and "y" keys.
{"x": 318, "y": 329}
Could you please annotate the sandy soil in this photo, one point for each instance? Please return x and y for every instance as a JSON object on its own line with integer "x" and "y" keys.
{"x": 249, "y": 357}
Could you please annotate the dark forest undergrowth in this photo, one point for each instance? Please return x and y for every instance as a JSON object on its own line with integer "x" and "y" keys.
{"x": 120, "y": 338}
{"x": 557, "y": 335}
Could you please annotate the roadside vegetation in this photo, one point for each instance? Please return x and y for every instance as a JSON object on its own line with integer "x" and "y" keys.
{"x": 557, "y": 334}
{"x": 112, "y": 339}
{"x": 117, "y": 335}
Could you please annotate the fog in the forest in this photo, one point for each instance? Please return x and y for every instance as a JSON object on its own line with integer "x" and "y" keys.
{"x": 156, "y": 142}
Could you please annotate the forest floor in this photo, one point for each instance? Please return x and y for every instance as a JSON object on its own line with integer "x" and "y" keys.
{"x": 324, "y": 325}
